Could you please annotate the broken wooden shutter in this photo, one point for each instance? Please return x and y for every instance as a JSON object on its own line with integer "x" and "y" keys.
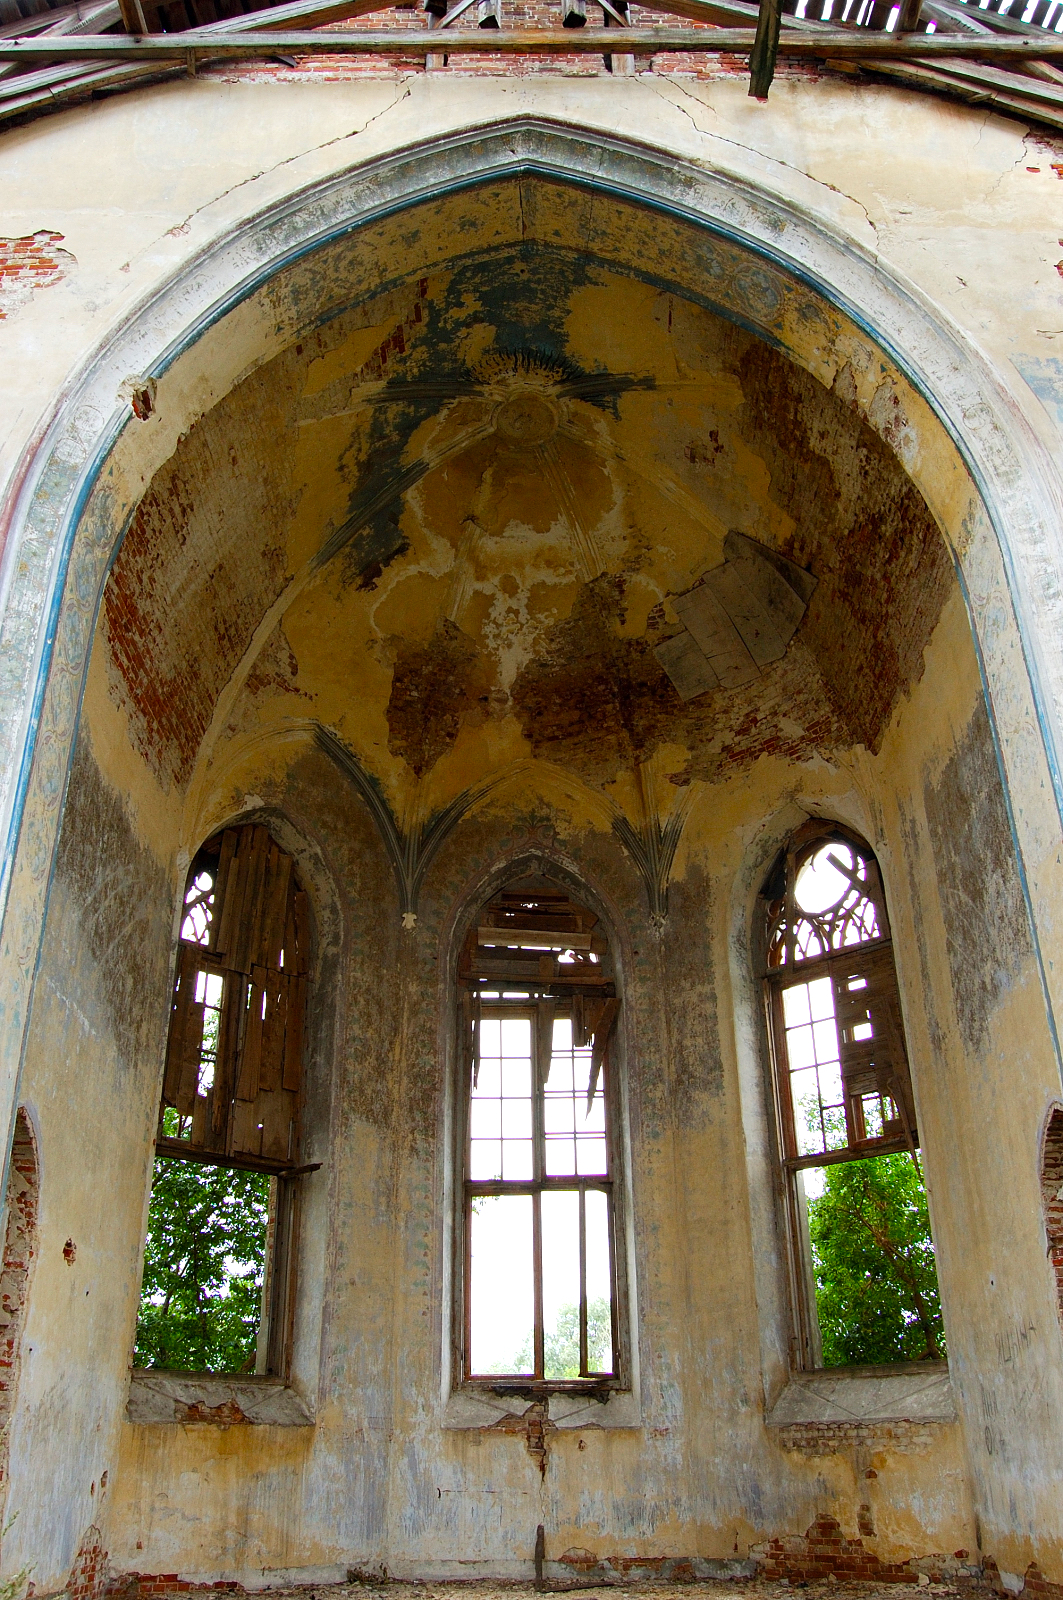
{"x": 185, "y": 1046}
{"x": 871, "y": 1039}
{"x": 258, "y": 945}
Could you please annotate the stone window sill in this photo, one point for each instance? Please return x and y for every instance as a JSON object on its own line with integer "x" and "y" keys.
{"x": 907, "y": 1392}
{"x": 206, "y": 1397}
{"x": 479, "y": 1406}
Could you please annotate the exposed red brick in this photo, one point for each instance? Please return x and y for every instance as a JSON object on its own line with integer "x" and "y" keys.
{"x": 87, "y": 1580}
{"x": 28, "y": 263}
{"x": 825, "y": 1551}
{"x": 1052, "y": 1196}
{"x": 20, "y": 1248}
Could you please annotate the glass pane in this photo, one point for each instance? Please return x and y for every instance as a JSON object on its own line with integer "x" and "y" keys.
{"x": 599, "y": 1284}
{"x": 795, "y": 1005}
{"x": 501, "y": 1285}
{"x": 517, "y": 1161}
{"x": 830, "y": 1084}
{"x": 826, "y": 1035}
{"x": 484, "y": 1119}
{"x": 821, "y": 998}
{"x": 516, "y": 1037}
{"x": 591, "y": 1158}
{"x": 805, "y": 1092}
{"x": 561, "y": 1055}
{"x": 560, "y": 1157}
{"x": 557, "y": 1113}
{"x": 485, "y": 1160}
{"x": 516, "y": 1119}
{"x": 560, "y": 1225}
{"x": 800, "y": 1047}
{"x": 500, "y": 1116}
{"x": 488, "y": 1083}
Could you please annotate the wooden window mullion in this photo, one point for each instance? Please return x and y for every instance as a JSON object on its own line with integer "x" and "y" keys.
{"x": 537, "y": 1256}
{"x": 584, "y": 1366}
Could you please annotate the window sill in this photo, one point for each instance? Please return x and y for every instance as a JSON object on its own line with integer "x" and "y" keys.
{"x": 917, "y": 1391}
{"x": 476, "y": 1405}
{"x": 214, "y": 1399}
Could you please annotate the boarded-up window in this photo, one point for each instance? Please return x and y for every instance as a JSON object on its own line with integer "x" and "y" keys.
{"x": 233, "y": 1077}
{"x": 220, "y": 1255}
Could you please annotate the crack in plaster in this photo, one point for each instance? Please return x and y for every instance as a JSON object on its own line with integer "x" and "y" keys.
{"x": 823, "y": 183}
{"x": 299, "y": 155}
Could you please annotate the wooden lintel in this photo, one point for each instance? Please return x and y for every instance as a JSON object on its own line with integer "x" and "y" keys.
{"x": 847, "y": 45}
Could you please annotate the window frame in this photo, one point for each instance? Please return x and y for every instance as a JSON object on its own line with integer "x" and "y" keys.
{"x": 276, "y": 1325}
{"x": 776, "y": 898}
{"x": 542, "y": 1183}
{"x": 531, "y": 993}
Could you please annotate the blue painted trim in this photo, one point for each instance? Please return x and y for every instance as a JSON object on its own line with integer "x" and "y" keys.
{"x": 71, "y": 519}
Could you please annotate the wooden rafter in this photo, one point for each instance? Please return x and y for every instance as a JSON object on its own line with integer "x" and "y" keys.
{"x": 973, "y": 54}
{"x": 830, "y": 44}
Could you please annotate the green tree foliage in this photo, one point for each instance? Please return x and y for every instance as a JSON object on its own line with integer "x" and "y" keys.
{"x": 561, "y": 1342}
{"x": 203, "y": 1265}
{"x": 876, "y": 1282}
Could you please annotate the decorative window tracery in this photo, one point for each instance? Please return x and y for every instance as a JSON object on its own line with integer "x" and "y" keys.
{"x": 844, "y": 1082}
{"x": 862, "y": 1276}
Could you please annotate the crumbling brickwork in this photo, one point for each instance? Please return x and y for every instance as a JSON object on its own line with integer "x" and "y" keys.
{"x": 29, "y": 263}
{"x": 20, "y": 1243}
{"x": 1052, "y": 1196}
{"x": 87, "y": 1578}
{"x": 825, "y": 1552}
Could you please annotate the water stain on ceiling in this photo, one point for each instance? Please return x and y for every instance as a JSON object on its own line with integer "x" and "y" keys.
{"x": 467, "y": 530}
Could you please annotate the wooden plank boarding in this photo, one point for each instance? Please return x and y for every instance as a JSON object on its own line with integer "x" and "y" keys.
{"x": 293, "y": 1034}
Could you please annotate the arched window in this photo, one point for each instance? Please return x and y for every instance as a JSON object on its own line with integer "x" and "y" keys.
{"x": 864, "y": 1278}
{"x": 219, "y": 1256}
{"x": 540, "y": 1147}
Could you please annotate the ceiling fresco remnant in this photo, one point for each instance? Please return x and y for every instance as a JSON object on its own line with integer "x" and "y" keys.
{"x": 460, "y": 524}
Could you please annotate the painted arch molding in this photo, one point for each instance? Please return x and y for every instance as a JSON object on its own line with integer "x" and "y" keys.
{"x": 745, "y": 253}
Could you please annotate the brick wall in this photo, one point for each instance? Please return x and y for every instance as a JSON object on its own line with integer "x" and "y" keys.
{"x": 30, "y": 263}
{"x": 20, "y": 1245}
{"x": 1052, "y": 1196}
{"x": 825, "y": 1552}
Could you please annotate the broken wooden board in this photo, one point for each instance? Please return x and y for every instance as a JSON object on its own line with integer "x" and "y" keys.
{"x": 704, "y": 617}
{"x": 739, "y": 618}
{"x": 686, "y": 665}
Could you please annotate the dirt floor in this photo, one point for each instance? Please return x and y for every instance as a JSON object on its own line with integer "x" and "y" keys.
{"x": 730, "y": 1589}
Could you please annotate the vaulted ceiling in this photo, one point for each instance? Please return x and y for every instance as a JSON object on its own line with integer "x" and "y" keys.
{"x": 451, "y": 521}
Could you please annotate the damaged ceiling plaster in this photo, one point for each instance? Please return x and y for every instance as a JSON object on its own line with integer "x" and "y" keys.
{"x": 515, "y": 509}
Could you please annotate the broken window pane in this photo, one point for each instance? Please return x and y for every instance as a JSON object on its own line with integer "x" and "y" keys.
{"x": 561, "y": 1284}
{"x": 204, "y": 1262}
{"x": 599, "y": 1283}
{"x": 873, "y": 1259}
{"x": 501, "y": 1284}
{"x": 232, "y": 1090}
{"x": 199, "y": 909}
